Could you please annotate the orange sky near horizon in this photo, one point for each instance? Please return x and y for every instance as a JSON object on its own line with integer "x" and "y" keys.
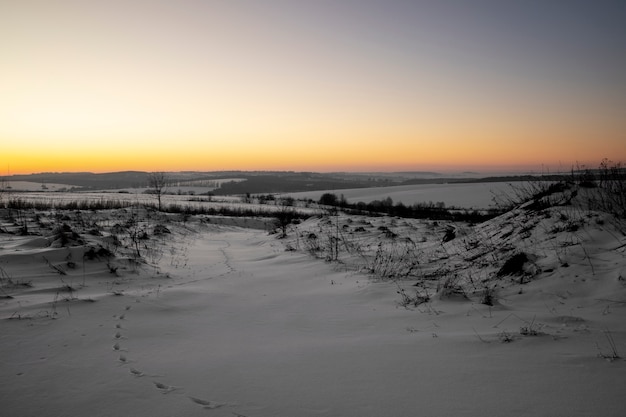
{"x": 309, "y": 86}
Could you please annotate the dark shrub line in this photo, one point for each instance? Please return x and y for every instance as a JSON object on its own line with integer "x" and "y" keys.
{"x": 100, "y": 204}
{"x": 103, "y": 204}
{"x": 430, "y": 210}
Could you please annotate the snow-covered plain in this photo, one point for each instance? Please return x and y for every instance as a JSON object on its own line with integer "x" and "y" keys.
{"x": 462, "y": 195}
{"x": 221, "y": 320}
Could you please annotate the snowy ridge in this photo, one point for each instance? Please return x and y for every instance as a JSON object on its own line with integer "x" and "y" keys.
{"x": 133, "y": 312}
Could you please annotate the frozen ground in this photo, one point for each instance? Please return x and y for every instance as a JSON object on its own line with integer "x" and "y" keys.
{"x": 222, "y": 320}
{"x": 470, "y": 196}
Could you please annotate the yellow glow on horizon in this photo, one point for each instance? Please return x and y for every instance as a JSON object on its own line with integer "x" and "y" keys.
{"x": 211, "y": 86}
{"x": 305, "y": 154}
{"x": 51, "y": 129}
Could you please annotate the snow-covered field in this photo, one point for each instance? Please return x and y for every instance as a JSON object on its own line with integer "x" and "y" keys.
{"x": 117, "y": 196}
{"x": 34, "y": 186}
{"x": 470, "y": 195}
{"x": 127, "y": 312}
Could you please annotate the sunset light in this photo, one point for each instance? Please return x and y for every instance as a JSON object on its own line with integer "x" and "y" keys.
{"x": 310, "y": 86}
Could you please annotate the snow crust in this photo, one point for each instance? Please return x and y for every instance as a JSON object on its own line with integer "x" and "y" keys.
{"x": 230, "y": 321}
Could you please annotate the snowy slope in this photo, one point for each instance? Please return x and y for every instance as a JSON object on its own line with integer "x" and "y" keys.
{"x": 223, "y": 320}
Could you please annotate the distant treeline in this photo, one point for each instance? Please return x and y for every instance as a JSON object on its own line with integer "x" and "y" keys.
{"x": 287, "y": 183}
{"x": 507, "y": 178}
{"x": 19, "y": 204}
{"x": 430, "y": 210}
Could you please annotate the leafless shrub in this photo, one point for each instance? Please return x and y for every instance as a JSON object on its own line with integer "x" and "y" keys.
{"x": 611, "y": 195}
{"x": 157, "y": 182}
{"x": 395, "y": 259}
{"x": 612, "y": 355}
{"x": 488, "y": 296}
{"x": 451, "y": 286}
{"x": 535, "y": 194}
{"x": 419, "y": 297}
{"x": 7, "y": 283}
{"x": 505, "y": 337}
{"x": 284, "y": 217}
{"x": 530, "y": 329}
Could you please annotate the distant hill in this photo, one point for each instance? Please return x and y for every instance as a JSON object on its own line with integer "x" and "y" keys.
{"x": 255, "y": 182}
{"x": 88, "y": 180}
{"x": 292, "y": 182}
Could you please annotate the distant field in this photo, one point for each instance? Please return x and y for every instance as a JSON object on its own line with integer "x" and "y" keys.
{"x": 473, "y": 195}
{"x": 34, "y": 186}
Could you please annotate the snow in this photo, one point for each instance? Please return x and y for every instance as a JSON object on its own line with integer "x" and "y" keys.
{"x": 223, "y": 320}
{"x": 465, "y": 195}
{"x": 34, "y": 186}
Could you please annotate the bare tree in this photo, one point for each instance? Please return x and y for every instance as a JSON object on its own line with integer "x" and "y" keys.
{"x": 284, "y": 217}
{"x": 3, "y": 190}
{"x": 157, "y": 182}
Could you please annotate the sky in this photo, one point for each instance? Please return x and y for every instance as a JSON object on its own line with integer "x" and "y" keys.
{"x": 317, "y": 85}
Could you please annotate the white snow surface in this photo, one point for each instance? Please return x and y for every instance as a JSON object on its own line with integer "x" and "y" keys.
{"x": 461, "y": 195}
{"x": 224, "y": 321}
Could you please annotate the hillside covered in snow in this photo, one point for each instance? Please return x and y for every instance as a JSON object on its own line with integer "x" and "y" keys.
{"x": 132, "y": 311}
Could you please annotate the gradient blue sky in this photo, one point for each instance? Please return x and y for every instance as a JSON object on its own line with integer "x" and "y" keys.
{"x": 311, "y": 85}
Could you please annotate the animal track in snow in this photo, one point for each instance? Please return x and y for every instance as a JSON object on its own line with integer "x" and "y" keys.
{"x": 164, "y": 388}
{"x": 123, "y": 360}
{"x": 137, "y": 373}
{"x": 118, "y": 348}
{"x": 209, "y": 405}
